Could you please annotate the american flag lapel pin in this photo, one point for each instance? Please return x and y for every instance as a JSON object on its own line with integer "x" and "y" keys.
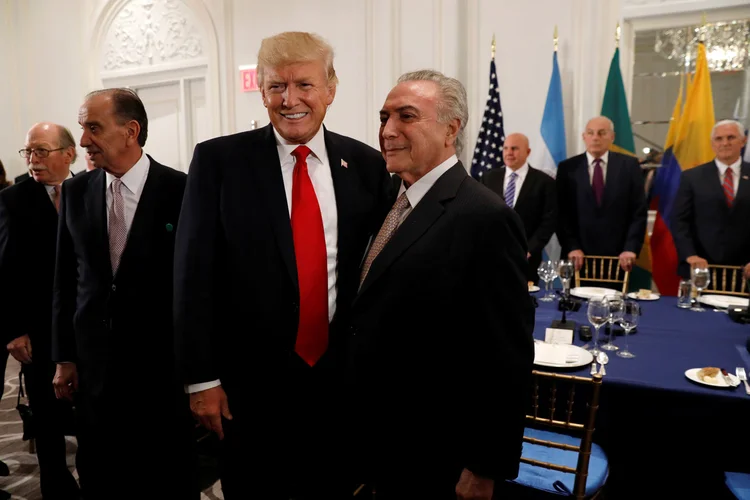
{"x": 344, "y": 164}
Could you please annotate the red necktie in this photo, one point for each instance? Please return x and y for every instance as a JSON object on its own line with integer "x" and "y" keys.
{"x": 56, "y": 197}
{"x": 597, "y": 182}
{"x": 728, "y": 186}
{"x": 312, "y": 263}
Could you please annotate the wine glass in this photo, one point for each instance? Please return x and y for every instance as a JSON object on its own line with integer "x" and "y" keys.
{"x": 547, "y": 273}
{"x": 598, "y": 314}
{"x": 616, "y": 305}
{"x": 631, "y": 311}
{"x": 565, "y": 270}
{"x": 701, "y": 280}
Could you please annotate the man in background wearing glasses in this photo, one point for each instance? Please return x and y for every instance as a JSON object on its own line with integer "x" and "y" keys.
{"x": 28, "y": 235}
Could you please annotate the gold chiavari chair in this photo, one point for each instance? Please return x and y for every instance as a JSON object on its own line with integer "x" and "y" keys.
{"x": 727, "y": 280}
{"x": 559, "y": 461}
{"x": 603, "y": 270}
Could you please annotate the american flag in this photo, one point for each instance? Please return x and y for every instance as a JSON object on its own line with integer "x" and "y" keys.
{"x": 488, "y": 152}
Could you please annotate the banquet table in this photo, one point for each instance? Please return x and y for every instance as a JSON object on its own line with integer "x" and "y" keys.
{"x": 662, "y": 432}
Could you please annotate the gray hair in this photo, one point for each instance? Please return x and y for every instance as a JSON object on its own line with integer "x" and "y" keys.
{"x": 740, "y": 128}
{"x": 611, "y": 123}
{"x": 452, "y": 104}
{"x": 67, "y": 141}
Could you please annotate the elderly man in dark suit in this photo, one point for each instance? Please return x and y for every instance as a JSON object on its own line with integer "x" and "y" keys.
{"x": 601, "y": 200}
{"x": 440, "y": 330}
{"x": 528, "y": 191}
{"x": 274, "y": 226}
{"x": 712, "y": 206}
{"x": 28, "y": 235}
{"x": 112, "y": 318}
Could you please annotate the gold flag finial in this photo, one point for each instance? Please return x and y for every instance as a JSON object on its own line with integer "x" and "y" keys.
{"x": 617, "y": 36}
{"x": 555, "y": 38}
{"x": 493, "y": 46}
{"x": 702, "y": 36}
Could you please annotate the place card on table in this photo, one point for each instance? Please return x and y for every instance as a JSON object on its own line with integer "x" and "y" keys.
{"x": 558, "y": 336}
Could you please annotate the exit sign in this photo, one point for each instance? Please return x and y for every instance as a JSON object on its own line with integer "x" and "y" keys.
{"x": 249, "y": 78}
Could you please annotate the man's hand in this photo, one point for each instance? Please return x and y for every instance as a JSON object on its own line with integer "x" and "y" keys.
{"x": 209, "y": 406}
{"x": 747, "y": 271}
{"x": 696, "y": 261}
{"x": 20, "y": 348}
{"x": 472, "y": 487}
{"x": 65, "y": 381}
{"x": 627, "y": 259}
{"x": 576, "y": 256}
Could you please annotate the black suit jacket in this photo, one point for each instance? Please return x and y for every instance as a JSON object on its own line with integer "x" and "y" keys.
{"x": 439, "y": 349}
{"x": 703, "y": 224}
{"x": 106, "y": 323}
{"x": 537, "y": 207}
{"x": 28, "y": 232}
{"x": 617, "y": 226}
{"x": 236, "y": 293}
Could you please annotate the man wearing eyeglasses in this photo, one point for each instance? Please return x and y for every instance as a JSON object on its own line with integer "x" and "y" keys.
{"x": 28, "y": 234}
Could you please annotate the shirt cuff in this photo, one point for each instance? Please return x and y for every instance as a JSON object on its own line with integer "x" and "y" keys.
{"x": 204, "y": 386}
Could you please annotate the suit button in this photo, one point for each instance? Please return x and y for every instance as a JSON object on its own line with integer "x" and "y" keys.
{"x": 295, "y": 306}
{"x": 352, "y": 330}
{"x": 114, "y": 288}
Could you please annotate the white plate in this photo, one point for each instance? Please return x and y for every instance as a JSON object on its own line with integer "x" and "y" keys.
{"x": 574, "y": 356}
{"x": 587, "y": 292}
{"x": 692, "y": 374}
{"x": 534, "y": 288}
{"x": 653, "y": 296}
{"x": 723, "y": 301}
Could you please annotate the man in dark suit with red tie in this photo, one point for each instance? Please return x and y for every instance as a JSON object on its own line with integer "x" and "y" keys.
{"x": 712, "y": 206}
{"x": 601, "y": 200}
{"x": 28, "y": 235}
{"x": 528, "y": 191}
{"x": 112, "y": 322}
{"x": 275, "y": 224}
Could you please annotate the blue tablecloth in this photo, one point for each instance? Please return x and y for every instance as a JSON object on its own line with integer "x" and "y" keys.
{"x": 656, "y": 426}
{"x": 669, "y": 341}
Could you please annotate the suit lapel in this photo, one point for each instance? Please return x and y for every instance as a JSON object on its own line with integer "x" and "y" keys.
{"x": 146, "y": 216}
{"x": 264, "y": 162}
{"x": 743, "y": 187}
{"x": 583, "y": 179}
{"x": 96, "y": 208}
{"x": 712, "y": 179}
{"x": 345, "y": 189}
{"x": 424, "y": 215}
{"x": 526, "y": 188}
{"x": 611, "y": 180}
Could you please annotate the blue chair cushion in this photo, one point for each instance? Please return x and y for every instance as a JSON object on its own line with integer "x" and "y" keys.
{"x": 739, "y": 484}
{"x": 552, "y": 481}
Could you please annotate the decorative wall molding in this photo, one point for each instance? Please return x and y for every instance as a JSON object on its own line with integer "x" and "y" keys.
{"x": 148, "y": 33}
{"x": 649, "y": 8}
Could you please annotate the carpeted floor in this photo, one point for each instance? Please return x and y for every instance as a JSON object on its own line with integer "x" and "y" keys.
{"x": 23, "y": 482}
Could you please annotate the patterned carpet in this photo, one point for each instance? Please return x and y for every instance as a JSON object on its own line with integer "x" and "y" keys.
{"x": 23, "y": 482}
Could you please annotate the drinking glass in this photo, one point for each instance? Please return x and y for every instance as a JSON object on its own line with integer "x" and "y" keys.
{"x": 630, "y": 313}
{"x": 701, "y": 280}
{"x": 598, "y": 314}
{"x": 547, "y": 273}
{"x": 616, "y": 304}
{"x": 566, "y": 271}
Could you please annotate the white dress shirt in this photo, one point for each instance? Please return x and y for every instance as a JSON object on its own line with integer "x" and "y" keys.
{"x": 416, "y": 191}
{"x": 604, "y": 163}
{"x": 319, "y": 170}
{"x": 520, "y": 176}
{"x": 735, "y": 172}
{"x": 132, "y": 186}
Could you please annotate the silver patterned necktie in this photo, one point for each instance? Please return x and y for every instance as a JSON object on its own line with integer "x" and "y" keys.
{"x": 118, "y": 232}
{"x": 386, "y": 232}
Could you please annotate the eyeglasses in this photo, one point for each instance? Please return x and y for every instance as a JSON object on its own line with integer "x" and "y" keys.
{"x": 39, "y": 152}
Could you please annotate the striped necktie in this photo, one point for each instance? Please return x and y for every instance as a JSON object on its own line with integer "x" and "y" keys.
{"x": 728, "y": 186}
{"x": 510, "y": 191}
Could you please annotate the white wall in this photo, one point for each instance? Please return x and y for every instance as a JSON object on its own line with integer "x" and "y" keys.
{"x": 43, "y": 63}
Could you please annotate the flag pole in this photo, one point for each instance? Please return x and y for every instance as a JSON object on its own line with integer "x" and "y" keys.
{"x": 617, "y": 36}
{"x": 554, "y": 38}
{"x": 493, "y": 46}
{"x": 702, "y": 36}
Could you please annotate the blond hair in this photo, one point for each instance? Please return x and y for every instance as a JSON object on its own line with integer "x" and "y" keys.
{"x": 293, "y": 47}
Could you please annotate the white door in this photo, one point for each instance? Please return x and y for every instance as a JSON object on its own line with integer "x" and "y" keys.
{"x": 165, "y": 124}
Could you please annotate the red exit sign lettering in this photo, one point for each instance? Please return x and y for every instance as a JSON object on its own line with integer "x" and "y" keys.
{"x": 249, "y": 78}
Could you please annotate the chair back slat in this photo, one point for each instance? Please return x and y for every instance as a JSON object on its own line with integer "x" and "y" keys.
{"x": 603, "y": 269}
{"x": 727, "y": 280}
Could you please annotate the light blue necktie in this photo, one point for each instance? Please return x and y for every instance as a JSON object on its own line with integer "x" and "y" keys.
{"x": 510, "y": 191}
